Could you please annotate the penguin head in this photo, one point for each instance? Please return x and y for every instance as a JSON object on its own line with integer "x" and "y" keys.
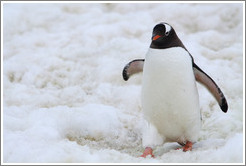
{"x": 164, "y": 36}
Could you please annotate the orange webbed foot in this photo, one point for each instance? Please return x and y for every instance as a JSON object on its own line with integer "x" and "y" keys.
{"x": 186, "y": 147}
{"x": 147, "y": 151}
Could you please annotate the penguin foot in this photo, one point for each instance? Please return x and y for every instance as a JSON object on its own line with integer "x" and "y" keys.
{"x": 147, "y": 151}
{"x": 186, "y": 147}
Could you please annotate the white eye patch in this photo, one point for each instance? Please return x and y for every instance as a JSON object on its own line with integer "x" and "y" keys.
{"x": 168, "y": 28}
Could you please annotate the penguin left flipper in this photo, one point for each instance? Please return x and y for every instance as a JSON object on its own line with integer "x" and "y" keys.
{"x": 132, "y": 67}
{"x": 209, "y": 83}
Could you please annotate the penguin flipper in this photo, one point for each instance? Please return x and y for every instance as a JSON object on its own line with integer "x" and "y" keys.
{"x": 209, "y": 83}
{"x": 132, "y": 67}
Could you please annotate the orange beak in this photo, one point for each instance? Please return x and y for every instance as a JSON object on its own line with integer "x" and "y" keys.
{"x": 156, "y": 37}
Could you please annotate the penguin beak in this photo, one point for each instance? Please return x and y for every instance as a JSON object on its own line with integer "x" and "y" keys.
{"x": 156, "y": 37}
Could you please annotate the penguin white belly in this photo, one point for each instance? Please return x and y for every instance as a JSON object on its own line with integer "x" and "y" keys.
{"x": 169, "y": 94}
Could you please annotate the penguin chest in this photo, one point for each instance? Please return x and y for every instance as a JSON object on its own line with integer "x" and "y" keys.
{"x": 169, "y": 95}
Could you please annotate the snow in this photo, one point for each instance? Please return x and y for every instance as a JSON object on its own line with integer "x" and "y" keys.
{"x": 64, "y": 98}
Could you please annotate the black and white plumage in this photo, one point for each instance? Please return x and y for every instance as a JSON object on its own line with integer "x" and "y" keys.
{"x": 136, "y": 66}
{"x": 170, "y": 99}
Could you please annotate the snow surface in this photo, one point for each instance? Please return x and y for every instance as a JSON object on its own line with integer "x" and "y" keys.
{"x": 64, "y": 98}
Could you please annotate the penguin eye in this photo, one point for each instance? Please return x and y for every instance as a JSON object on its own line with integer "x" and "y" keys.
{"x": 167, "y": 33}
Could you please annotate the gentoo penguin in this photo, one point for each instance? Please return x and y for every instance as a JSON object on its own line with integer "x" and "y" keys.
{"x": 170, "y": 100}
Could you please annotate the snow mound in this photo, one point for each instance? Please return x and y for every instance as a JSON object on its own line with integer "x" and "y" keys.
{"x": 64, "y": 98}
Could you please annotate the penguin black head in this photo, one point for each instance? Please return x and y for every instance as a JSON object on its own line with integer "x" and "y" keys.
{"x": 164, "y": 36}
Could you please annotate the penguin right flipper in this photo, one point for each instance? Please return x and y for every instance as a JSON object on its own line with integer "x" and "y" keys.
{"x": 209, "y": 83}
{"x": 132, "y": 67}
